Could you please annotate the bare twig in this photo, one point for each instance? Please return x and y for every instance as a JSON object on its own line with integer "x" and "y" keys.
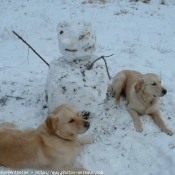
{"x": 17, "y": 98}
{"x": 102, "y": 103}
{"x": 90, "y": 67}
{"x": 106, "y": 68}
{"x": 102, "y": 57}
{"x": 30, "y": 47}
{"x": 28, "y": 56}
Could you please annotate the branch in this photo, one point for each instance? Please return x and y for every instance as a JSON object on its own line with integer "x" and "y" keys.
{"x": 30, "y": 47}
{"x": 106, "y": 68}
{"x": 17, "y": 98}
{"x": 28, "y": 56}
{"x": 102, "y": 57}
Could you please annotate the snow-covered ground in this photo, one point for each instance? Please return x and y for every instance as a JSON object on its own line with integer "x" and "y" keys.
{"x": 141, "y": 36}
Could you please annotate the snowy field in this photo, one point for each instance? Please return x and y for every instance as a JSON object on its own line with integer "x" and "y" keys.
{"x": 141, "y": 36}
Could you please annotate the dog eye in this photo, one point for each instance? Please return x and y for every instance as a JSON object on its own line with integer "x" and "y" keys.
{"x": 153, "y": 84}
{"x": 71, "y": 121}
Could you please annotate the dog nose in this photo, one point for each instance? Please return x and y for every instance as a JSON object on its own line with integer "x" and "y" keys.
{"x": 87, "y": 124}
{"x": 164, "y": 91}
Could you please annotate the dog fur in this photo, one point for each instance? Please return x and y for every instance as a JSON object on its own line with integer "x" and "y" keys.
{"x": 53, "y": 146}
{"x": 142, "y": 94}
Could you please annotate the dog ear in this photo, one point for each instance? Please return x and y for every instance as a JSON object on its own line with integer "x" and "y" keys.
{"x": 138, "y": 84}
{"x": 51, "y": 123}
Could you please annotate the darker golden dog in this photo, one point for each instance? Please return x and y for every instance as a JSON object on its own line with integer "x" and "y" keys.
{"x": 52, "y": 146}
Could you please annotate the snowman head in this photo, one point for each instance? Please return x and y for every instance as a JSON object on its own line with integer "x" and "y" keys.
{"x": 76, "y": 40}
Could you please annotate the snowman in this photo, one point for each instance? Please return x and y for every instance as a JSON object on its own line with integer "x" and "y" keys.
{"x": 69, "y": 78}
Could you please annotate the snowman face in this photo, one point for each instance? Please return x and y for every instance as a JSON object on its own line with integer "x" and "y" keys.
{"x": 76, "y": 40}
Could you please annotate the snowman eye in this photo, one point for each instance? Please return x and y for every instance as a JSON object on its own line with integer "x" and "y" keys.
{"x": 61, "y": 32}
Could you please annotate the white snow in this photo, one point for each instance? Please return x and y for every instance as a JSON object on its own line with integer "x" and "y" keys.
{"x": 141, "y": 37}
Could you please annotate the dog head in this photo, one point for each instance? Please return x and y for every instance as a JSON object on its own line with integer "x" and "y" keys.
{"x": 150, "y": 83}
{"x": 66, "y": 122}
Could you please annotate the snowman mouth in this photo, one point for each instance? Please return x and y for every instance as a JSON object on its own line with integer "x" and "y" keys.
{"x": 69, "y": 50}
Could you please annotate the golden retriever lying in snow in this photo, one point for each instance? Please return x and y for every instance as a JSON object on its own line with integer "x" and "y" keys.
{"x": 142, "y": 95}
{"x": 52, "y": 146}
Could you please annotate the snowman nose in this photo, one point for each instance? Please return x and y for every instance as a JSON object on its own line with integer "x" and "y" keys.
{"x": 68, "y": 42}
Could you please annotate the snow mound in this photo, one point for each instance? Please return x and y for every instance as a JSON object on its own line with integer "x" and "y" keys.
{"x": 73, "y": 83}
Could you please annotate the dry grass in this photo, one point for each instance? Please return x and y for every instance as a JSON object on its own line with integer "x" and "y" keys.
{"x": 162, "y": 2}
{"x": 84, "y": 2}
{"x": 90, "y": 1}
{"x": 121, "y": 11}
{"x": 93, "y": 1}
{"x": 146, "y": 1}
{"x": 103, "y": 1}
{"x": 133, "y": 0}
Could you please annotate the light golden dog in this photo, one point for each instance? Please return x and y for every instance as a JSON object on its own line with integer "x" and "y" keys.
{"x": 52, "y": 146}
{"x": 142, "y": 94}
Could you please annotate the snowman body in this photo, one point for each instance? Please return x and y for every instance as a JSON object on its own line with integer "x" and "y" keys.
{"x": 69, "y": 79}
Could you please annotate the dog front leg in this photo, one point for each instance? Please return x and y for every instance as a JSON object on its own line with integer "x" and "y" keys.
{"x": 136, "y": 119}
{"x": 158, "y": 120}
{"x": 86, "y": 139}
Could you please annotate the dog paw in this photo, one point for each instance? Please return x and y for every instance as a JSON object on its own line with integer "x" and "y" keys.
{"x": 168, "y": 131}
{"x": 139, "y": 129}
{"x": 86, "y": 139}
{"x": 89, "y": 139}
